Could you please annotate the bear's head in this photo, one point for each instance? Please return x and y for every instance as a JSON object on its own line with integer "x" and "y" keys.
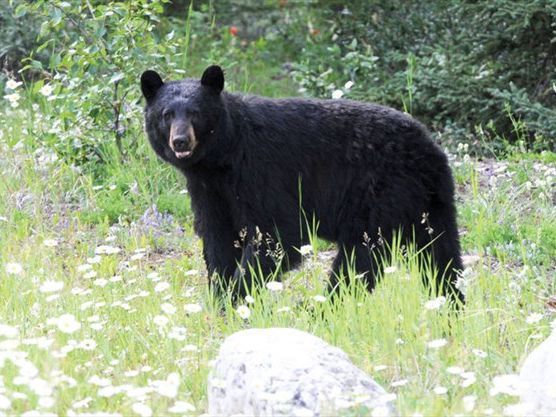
{"x": 182, "y": 117}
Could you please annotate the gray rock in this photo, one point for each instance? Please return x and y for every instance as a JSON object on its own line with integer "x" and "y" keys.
{"x": 287, "y": 372}
{"x": 538, "y": 375}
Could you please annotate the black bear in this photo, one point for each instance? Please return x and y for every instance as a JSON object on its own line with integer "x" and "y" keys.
{"x": 258, "y": 169}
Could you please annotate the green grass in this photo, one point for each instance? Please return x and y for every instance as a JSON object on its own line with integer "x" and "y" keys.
{"x": 132, "y": 306}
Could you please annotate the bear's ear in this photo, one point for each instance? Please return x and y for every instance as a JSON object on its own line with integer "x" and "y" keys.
{"x": 150, "y": 84}
{"x": 213, "y": 77}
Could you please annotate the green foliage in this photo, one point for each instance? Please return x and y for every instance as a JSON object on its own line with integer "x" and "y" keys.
{"x": 466, "y": 61}
{"x": 480, "y": 73}
{"x": 86, "y": 91}
{"x": 17, "y": 35}
{"x": 95, "y": 57}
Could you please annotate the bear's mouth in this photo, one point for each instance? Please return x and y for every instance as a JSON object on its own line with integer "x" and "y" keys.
{"x": 181, "y": 155}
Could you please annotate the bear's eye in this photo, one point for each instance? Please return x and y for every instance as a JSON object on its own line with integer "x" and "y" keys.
{"x": 168, "y": 115}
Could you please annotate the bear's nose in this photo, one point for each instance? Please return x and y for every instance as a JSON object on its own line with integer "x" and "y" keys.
{"x": 180, "y": 143}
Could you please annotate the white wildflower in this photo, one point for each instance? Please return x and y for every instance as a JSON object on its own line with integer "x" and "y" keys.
{"x": 90, "y": 275}
{"x": 455, "y": 370}
{"x": 169, "y": 387}
{"x": 437, "y": 343}
{"x": 469, "y": 376}
{"x": 154, "y": 276}
{"x": 243, "y": 312}
{"x": 137, "y": 256}
{"x": 46, "y": 402}
{"x": 13, "y": 84}
{"x": 336, "y": 94}
{"x": 306, "y": 250}
{"x": 274, "y": 286}
{"x": 13, "y": 99}
{"x": 168, "y": 308}
{"x": 177, "y": 333}
{"x": 110, "y": 391}
{"x": 100, "y": 282}
{"x": 5, "y": 402}
{"x": 440, "y": 390}
{"x": 469, "y": 402}
{"x": 348, "y": 85}
{"x": 46, "y": 90}
{"x": 94, "y": 260}
{"x": 8, "y": 331}
{"x": 436, "y": 303}
{"x": 67, "y": 323}
{"x": 14, "y": 268}
{"x": 84, "y": 403}
{"x": 192, "y": 308}
{"x": 161, "y": 286}
{"x": 107, "y": 250}
{"x": 88, "y": 344}
{"x": 509, "y": 384}
{"x": 534, "y": 318}
{"x": 40, "y": 387}
{"x": 84, "y": 268}
{"x": 479, "y": 353}
{"x": 131, "y": 374}
{"x": 390, "y": 269}
{"x": 51, "y": 286}
{"x": 98, "y": 381}
{"x": 142, "y": 409}
{"x": 379, "y": 411}
{"x": 37, "y": 413}
{"x": 181, "y": 407}
{"x": 50, "y": 243}
{"x": 319, "y": 298}
{"x": 399, "y": 383}
{"x": 161, "y": 321}
{"x": 249, "y": 299}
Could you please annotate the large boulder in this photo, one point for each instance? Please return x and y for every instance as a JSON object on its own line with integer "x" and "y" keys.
{"x": 538, "y": 375}
{"x": 287, "y": 372}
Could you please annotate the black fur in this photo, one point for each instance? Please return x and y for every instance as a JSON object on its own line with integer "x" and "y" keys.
{"x": 360, "y": 169}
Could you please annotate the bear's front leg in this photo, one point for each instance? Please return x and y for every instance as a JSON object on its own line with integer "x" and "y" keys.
{"x": 260, "y": 260}
{"x": 222, "y": 256}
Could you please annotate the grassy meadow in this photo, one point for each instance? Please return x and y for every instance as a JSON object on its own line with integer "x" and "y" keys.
{"x": 104, "y": 304}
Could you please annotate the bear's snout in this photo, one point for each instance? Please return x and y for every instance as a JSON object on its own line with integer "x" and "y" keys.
{"x": 182, "y": 140}
{"x": 180, "y": 143}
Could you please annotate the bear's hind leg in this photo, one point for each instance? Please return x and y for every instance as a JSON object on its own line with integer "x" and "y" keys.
{"x": 354, "y": 258}
{"x": 252, "y": 270}
{"x": 446, "y": 256}
{"x": 221, "y": 258}
{"x": 446, "y": 252}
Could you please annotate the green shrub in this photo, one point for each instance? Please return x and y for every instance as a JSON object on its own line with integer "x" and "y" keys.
{"x": 451, "y": 63}
{"x": 18, "y": 32}
{"x": 96, "y": 53}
